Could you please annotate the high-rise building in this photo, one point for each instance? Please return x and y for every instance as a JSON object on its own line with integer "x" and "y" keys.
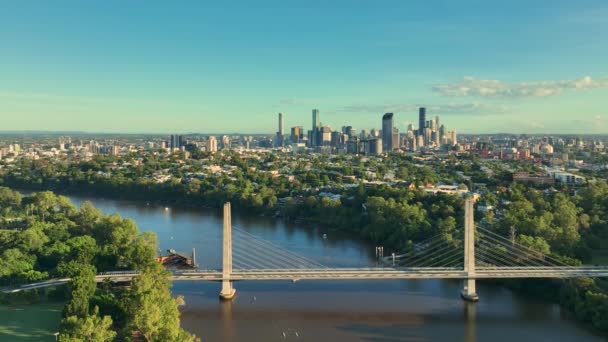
{"x": 363, "y": 134}
{"x": 348, "y": 130}
{"x": 175, "y": 142}
{"x": 212, "y": 144}
{"x": 387, "y": 132}
{"x": 452, "y": 139}
{"x": 297, "y": 134}
{"x": 396, "y": 141}
{"x": 324, "y": 136}
{"x": 352, "y": 146}
{"x": 315, "y": 119}
{"x": 225, "y": 142}
{"x": 336, "y": 138}
{"x": 280, "y": 134}
{"x": 442, "y": 134}
{"x": 421, "y": 120}
{"x": 316, "y": 125}
{"x": 373, "y": 146}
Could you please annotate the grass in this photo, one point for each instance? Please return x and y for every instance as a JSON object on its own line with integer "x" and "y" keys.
{"x": 30, "y": 322}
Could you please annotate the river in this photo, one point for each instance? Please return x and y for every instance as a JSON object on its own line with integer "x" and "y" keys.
{"x": 378, "y": 310}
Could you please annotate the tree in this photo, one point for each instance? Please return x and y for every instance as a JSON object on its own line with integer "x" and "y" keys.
{"x": 9, "y": 198}
{"x": 83, "y": 248}
{"x": 82, "y": 288}
{"x": 91, "y": 328}
{"x": 142, "y": 251}
{"x": 152, "y": 312}
{"x": 536, "y": 243}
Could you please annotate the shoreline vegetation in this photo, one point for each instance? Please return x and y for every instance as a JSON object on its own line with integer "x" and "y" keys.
{"x": 568, "y": 225}
{"x": 46, "y": 236}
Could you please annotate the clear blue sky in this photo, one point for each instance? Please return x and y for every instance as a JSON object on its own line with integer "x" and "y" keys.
{"x": 227, "y": 66}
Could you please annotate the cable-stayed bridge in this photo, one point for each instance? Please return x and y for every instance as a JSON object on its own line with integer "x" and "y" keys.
{"x": 470, "y": 254}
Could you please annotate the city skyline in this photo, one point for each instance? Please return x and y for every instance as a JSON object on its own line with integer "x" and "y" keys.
{"x": 85, "y": 67}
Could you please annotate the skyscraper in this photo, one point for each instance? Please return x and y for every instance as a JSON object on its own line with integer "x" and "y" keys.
{"x": 175, "y": 142}
{"x": 316, "y": 129}
{"x": 387, "y": 132}
{"x": 441, "y": 134}
{"x": 297, "y": 134}
{"x": 421, "y": 120}
{"x": 279, "y": 140}
{"x": 315, "y": 119}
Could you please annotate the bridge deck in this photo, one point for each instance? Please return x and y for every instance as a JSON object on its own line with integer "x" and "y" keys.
{"x": 349, "y": 274}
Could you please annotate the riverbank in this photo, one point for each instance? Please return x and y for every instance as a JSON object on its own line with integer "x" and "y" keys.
{"x": 520, "y": 286}
{"x": 334, "y": 310}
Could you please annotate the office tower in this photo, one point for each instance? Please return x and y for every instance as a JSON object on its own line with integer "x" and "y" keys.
{"x": 281, "y": 123}
{"x": 373, "y": 146}
{"x": 420, "y": 141}
{"x": 363, "y": 134}
{"x": 297, "y": 134}
{"x": 410, "y": 127}
{"x": 396, "y": 139}
{"x": 315, "y": 119}
{"x": 387, "y": 132}
{"x": 442, "y": 134}
{"x": 421, "y": 120}
{"x": 352, "y": 146}
{"x": 452, "y": 138}
{"x": 324, "y": 136}
{"x": 428, "y": 137}
{"x": 375, "y": 133}
{"x": 336, "y": 138}
{"x": 437, "y": 122}
{"x": 348, "y": 130}
{"x": 316, "y": 125}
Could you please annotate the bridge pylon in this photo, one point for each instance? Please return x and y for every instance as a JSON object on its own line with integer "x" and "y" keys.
{"x": 227, "y": 291}
{"x": 469, "y": 292}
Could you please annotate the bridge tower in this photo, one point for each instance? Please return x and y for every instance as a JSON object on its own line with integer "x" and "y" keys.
{"x": 469, "y": 293}
{"x": 228, "y": 291}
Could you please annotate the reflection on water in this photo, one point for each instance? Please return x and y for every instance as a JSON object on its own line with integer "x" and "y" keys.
{"x": 470, "y": 312}
{"x": 391, "y": 310}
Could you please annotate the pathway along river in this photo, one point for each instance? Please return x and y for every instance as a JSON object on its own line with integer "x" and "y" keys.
{"x": 392, "y": 310}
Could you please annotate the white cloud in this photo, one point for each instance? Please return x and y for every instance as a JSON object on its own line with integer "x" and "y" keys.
{"x": 448, "y": 108}
{"x": 470, "y": 86}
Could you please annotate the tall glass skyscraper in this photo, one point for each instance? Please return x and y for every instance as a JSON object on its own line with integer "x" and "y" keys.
{"x": 387, "y": 132}
{"x": 316, "y": 125}
{"x": 421, "y": 120}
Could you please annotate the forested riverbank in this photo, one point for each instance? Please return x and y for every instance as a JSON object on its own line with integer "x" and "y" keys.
{"x": 45, "y": 236}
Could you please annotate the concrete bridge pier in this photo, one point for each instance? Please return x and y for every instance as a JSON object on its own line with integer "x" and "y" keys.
{"x": 469, "y": 293}
{"x": 227, "y": 291}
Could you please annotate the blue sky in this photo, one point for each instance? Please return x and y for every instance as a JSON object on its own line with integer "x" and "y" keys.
{"x": 231, "y": 66}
